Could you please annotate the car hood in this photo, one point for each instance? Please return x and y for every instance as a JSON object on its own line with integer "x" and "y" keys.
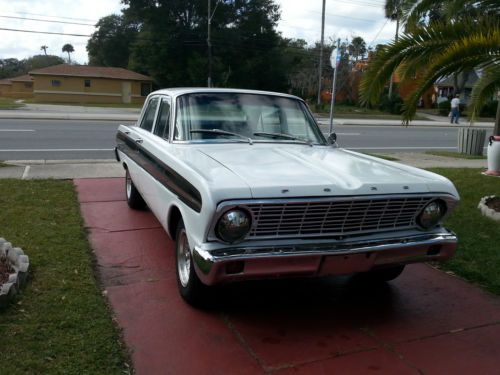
{"x": 291, "y": 170}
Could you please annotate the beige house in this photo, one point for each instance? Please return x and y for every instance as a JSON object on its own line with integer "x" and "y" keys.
{"x": 17, "y": 87}
{"x": 89, "y": 84}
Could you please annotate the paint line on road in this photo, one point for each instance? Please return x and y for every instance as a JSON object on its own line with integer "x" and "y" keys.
{"x": 17, "y": 130}
{"x": 59, "y": 150}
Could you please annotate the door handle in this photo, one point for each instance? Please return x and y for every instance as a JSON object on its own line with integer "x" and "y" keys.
{"x": 138, "y": 140}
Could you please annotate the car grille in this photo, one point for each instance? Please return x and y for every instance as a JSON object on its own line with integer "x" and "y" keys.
{"x": 336, "y": 217}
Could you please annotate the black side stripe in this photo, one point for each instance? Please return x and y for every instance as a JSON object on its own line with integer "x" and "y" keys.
{"x": 160, "y": 171}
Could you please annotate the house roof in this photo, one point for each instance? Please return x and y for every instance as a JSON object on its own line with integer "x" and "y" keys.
{"x": 23, "y": 78}
{"x": 449, "y": 81}
{"x": 91, "y": 72}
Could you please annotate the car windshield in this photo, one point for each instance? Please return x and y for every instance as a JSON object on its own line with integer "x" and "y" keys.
{"x": 231, "y": 116}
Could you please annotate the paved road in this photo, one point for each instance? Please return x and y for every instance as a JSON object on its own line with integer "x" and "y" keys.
{"x": 76, "y": 139}
{"x": 56, "y": 139}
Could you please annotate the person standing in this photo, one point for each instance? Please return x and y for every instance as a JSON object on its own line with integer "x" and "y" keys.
{"x": 455, "y": 109}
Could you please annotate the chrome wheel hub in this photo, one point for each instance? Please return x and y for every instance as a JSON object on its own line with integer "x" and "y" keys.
{"x": 183, "y": 259}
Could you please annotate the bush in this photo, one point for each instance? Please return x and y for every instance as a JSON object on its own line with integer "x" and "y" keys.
{"x": 489, "y": 109}
{"x": 394, "y": 104}
{"x": 444, "y": 107}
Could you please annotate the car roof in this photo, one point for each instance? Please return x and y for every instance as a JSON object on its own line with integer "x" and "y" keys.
{"x": 177, "y": 91}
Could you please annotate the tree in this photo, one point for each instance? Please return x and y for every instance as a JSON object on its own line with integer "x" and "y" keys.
{"x": 69, "y": 49}
{"x": 171, "y": 42}
{"x": 437, "y": 49}
{"x": 44, "y": 48}
{"x": 11, "y": 68}
{"x": 357, "y": 48}
{"x": 14, "y": 67}
{"x": 393, "y": 12}
{"x": 41, "y": 61}
{"x": 111, "y": 44}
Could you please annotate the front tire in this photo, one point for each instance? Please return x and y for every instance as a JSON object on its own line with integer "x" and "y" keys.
{"x": 192, "y": 290}
{"x": 134, "y": 198}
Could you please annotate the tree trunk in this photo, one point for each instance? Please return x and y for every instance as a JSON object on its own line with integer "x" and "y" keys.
{"x": 496, "y": 131}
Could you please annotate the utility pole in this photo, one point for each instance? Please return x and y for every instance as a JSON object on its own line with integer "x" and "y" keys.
{"x": 321, "y": 52}
{"x": 209, "y": 45}
{"x": 335, "y": 65}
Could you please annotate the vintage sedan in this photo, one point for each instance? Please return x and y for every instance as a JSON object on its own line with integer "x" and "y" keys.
{"x": 248, "y": 187}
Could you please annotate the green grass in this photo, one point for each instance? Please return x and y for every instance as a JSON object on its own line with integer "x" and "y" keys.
{"x": 9, "y": 103}
{"x": 60, "y": 324}
{"x": 450, "y": 154}
{"x": 478, "y": 255}
{"x": 2, "y": 164}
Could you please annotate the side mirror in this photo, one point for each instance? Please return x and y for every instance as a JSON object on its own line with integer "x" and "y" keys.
{"x": 332, "y": 138}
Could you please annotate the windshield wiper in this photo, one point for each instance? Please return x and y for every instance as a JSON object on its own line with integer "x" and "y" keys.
{"x": 222, "y": 132}
{"x": 284, "y": 136}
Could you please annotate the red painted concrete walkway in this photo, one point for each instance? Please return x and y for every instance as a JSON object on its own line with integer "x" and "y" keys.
{"x": 425, "y": 322}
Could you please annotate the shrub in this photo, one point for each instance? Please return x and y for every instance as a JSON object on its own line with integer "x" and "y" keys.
{"x": 444, "y": 107}
{"x": 489, "y": 109}
{"x": 393, "y": 104}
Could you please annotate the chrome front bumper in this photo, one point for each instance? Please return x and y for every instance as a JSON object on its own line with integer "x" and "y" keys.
{"x": 318, "y": 258}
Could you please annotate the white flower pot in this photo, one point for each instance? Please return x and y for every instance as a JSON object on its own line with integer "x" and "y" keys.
{"x": 494, "y": 156}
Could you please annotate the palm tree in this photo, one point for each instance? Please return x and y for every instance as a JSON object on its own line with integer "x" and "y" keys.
{"x": 460, "y": 42}
{"x": 44, "y": 48}
{"x": 393, "y": 12}
{"x": 69, "y": 49}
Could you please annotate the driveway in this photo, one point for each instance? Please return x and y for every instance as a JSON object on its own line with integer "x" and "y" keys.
{"x": 425, "y": 322}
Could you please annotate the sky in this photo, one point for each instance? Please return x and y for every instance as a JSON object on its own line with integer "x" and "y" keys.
{"x": 299, "y": 19}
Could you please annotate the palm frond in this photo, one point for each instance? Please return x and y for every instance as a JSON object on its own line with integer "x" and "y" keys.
{"x": 478, "y": 50}
{"x": 413, "y": 52}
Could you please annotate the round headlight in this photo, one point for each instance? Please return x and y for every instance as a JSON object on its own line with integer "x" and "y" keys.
{"x": 233, "y": 225}
{"x": 432, "y": 214}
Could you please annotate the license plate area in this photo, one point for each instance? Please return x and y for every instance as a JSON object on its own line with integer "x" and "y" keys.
{"x": 345, "y": 264}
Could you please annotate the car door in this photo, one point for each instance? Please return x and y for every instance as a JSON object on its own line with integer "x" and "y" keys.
{"x": 132, "y": 139}
{"x": 158, "y": 148}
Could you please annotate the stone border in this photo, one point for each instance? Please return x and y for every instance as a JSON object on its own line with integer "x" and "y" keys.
{"x": 486, "y": 211}
{"x": 20, "y": 263}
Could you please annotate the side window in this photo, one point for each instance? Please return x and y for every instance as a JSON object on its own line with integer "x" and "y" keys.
{"x": 162, "y": 121}
{"x": 149, "y": 115}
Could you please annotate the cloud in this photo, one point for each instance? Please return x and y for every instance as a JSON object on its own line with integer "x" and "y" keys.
{"x": 22, "y": 45}
{"x": 343, "y": 19}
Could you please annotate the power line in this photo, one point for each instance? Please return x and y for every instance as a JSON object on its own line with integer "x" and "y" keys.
{"x": 376, "y": 36}
{"x": 43, "y": 32}
{"x": 60, "y": 17}
{"x": 51, "y": 21}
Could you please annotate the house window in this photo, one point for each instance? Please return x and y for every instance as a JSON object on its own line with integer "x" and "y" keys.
{"x": 56, "y": 83}
{"x": 28, "y": 85}
{"x": 87, "y": 83}
{"x": 145, "y": 89}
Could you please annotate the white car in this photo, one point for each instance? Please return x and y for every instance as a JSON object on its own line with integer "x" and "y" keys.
{"x": 249, "y": 188}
